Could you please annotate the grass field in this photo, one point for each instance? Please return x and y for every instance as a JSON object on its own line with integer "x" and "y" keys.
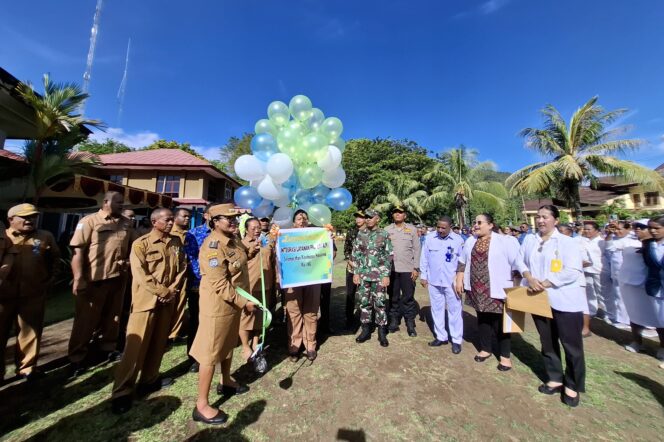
{"x": 355, "y": 392}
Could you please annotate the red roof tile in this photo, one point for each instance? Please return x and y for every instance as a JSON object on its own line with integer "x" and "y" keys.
{"x": 11, "y": 155}
{"x": 156, "y": 157}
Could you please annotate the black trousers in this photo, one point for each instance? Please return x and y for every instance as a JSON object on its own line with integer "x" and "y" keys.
{"x": 351, "y": 289}
{"x": 325, "y": 294}
{"x": 564, "y": 328}
{"x": 194, "y": 310}
{"x": 402, "y": 297}
{"x": 488, "y": 325}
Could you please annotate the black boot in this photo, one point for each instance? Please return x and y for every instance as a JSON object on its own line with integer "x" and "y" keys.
{"x": 394, "y": 324}
{"x": 365, "y": 335}
{"x": 410, "y": 326}
{"x": 382, "y": 336}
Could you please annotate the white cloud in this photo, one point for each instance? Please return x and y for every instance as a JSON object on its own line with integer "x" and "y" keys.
{"x": 492, "y": 6}
{"x": 212, "y": 153}
{"x": 136, "y": 140}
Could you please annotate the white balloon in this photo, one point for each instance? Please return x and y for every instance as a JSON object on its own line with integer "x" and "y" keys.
{"x": 331, "y": 160}
{"x": 283, "y": 217}
{"x": 249, "y": 168}
{"x": 334, "y": 178}
{"x": 282, "y": 202}
{"x": 269, "y": 190}
{"x": 279, "y": 167}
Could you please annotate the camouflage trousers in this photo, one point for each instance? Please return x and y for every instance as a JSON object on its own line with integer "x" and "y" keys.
{"x": 373, "y": 298}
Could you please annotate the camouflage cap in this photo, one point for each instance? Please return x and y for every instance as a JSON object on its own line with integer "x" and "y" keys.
{"x": 359, "y": 214}
{"x": 370, "y": 213}
{"x": 398, "y": 208}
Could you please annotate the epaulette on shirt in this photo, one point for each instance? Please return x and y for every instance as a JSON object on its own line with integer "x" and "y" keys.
{"x": 213, "y": 244}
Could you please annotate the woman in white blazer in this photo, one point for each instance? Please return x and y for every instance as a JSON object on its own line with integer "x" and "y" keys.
{"x": 553, "y": 262}
{"x": 484, "y": 271}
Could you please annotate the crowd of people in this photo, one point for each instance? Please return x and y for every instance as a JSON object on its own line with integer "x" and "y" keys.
{"x": 133, "y": 285}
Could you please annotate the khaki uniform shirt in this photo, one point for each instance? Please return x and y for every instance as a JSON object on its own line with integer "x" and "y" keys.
{"x": 223, "y": 263}
{"x": 36, "y": 258}
{"x": 106, "y": 242}
{"x": 406, "y": 245}
{"x": 158, "y": 266}
{"x": 179, "y": 232}
{"x": 6, "y": 259}
{"x": 254, "y": 265}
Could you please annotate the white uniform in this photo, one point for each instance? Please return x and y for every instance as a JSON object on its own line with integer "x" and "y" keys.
{"x": 615, "y": 307}
{"x": 593, "y": 248}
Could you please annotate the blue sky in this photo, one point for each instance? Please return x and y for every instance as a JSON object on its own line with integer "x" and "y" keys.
{"x": 440, "y": 72}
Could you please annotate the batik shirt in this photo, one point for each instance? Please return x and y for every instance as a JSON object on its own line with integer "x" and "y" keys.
{"x": 191, "y": 248}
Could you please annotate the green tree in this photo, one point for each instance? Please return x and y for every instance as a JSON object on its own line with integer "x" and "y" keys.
{"x": 234, "y": 148}
{"x": 100, "y": 148}
{"x": 616, "y": 208}
{"x": 404, "y": 192}
{"x": 459, "y": 174}
{"x": 163, "y": 144}
{"x": 578, "y": 152}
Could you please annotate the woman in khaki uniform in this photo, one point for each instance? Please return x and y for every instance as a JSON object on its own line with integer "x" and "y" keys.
{"x": 252, "y": 323}
{"x": 223, "y": 264}
{"x": 302, "y": 305}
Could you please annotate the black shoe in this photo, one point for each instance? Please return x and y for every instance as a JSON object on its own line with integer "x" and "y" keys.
{"x": 194, "y": 367}
{"x": 549, "y": 390}
{"x": 33, "y": 376}
{"x": 121, "y": 404}
{"x": 502, "y": 367}
{"x": 456, "y": 348}
{"x": 312, "y": 355}
{"x": 114, "y": 356}
{"x": 365, "y": 335}
{"x": 227, "y": 390}
{"x": 479, "y": 358}
{"x": 76, "y": 369}
{"x": 218, "y": 419}
{"x": 146, "y": 389}
{"x": 571, "y": 401}
{"x": 394, "y": 325}
{"x": 411, "y": 330}
{"x": 382, "y": 336}
{"x": 437, "y": 343}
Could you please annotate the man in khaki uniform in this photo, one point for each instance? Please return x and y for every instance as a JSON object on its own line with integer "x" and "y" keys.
{"x": 23, "y": 292}
{"x": 158, "y": 267}
{"x": 405, "y": 270}
{"x": 101, "y": 244}
{"x": 180, "y": 229}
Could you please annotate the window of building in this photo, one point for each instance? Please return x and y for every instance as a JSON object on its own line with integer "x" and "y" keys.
{"x": 652, "y": 198}
{"x": 117, "y": 179}
{"x": 169, "y": 185}
{"x": 636, "y": 197}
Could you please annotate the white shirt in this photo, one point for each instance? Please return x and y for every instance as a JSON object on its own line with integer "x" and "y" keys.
{"x": 566, "y": 294}
{"x": 439, "y": 258}
{"x": 614, "y": 251}
{"x": 594, "y": 250}
{"x": 503, "y": 256}
{"x": 633, "y": 270}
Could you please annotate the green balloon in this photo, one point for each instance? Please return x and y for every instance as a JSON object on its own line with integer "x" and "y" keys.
{"x": 300, "y": 107}
{"x": 331, "y": 128}
{"x": 309, "y": 176}
{"x": 264, "y": 126}
{"x": 314, "y": 146}
{"x": 278, "y": 113}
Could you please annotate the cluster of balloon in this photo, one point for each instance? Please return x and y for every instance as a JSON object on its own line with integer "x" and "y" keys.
{"x": 295, "y": 164}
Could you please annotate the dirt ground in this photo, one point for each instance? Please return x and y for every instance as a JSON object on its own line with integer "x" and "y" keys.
{"x": 358, "y": 392}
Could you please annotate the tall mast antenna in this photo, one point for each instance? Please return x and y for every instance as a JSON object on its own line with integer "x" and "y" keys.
{"x": 123, "y": 86}
{"x": 91, "y": 50}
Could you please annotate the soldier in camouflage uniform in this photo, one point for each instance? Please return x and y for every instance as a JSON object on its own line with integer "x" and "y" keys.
{"x": 372, "y": 251}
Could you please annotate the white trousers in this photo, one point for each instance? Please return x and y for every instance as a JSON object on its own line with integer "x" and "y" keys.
{"x": 444, "y": 298}
{"x": 615, "y": 306}
{"x": 594, "y": 293}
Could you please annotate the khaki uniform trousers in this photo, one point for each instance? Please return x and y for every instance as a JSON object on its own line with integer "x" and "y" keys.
{"x": 302, "y": 305}
{"x": 98, "y": 308}
{"x": 28, "y": 314}
{"x": 178, "y": 315}
{"x": 147, "y": 336}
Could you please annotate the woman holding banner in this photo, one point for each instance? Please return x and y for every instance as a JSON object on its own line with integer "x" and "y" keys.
{"x": 252, "y": 322}
{"x": 302, "y": 305}
{"x": 553, "y": 262}
{"x": 223, "y": 263}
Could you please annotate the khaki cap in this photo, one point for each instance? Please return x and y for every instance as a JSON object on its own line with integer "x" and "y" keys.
{"x": 22, "y": 210}
{"x": 224, "y": 210}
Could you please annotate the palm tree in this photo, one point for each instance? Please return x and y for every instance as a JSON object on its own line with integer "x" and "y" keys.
{"x": 55, "y": 111}
{"x": 578, "y": 152}
{"x": 458, "y": 172}
{"x": 404, "y": 192}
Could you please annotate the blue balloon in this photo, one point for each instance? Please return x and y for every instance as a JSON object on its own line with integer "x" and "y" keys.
{"x": 319, "y": 193}
{"x": 247, "y": 197}
{"x": 339, "y": 199}
{"x": 302, "y": 196}
{"x": 291, "y": 183}
{"x": 264, "y": 209}
{"x": 264, "y": 146}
